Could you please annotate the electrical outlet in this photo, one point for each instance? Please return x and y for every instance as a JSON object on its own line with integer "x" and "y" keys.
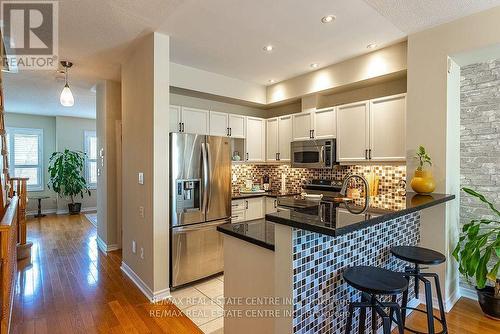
{"x": 142, "y": 253}
{"x": 141, "y": 177}
{"x": 141, "y": 211}
{"x": 133, "y": 246}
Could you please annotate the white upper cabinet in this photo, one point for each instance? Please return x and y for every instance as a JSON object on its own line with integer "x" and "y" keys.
{"x": 195, "y": 121}
{"x": 175, "y": 119}
{"x": 272, "y": 148}
{"x": 256, "y": 139}
{"x": 285, "y": 129}
{"x": 302, "y": 125}
{"x": 388, "y": 128}
{"x": 325, "y": 123}
{"x": 219, "y": 124}
{"x": 237, "y": 126}
{"x": 352, "y": 132}
{"x": 372, "y": 130}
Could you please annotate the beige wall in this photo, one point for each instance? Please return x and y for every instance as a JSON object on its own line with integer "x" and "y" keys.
{"x": 48, "y": 125}
{"x": 382, "y": 62}
{"x": 391, "y": 87}
{"x": 433, "y": 120}
{"x": 108, "y": 103}
{"x": 70, "y": 134}
{"x": 202, "y": 103}
{"x": 58, "y": 133}
{"x": 145, "y": 100}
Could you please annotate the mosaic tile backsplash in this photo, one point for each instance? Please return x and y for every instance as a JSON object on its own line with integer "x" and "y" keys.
{"x": 320, "y": 294}
{"x": 390, "y": 176}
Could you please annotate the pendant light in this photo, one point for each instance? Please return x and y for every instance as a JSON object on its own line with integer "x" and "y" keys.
{"x": 67, "y": 98}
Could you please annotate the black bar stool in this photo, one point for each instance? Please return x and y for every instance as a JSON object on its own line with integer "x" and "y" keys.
{"x": 422, "y": 256}
{"x": 372, "y": 281}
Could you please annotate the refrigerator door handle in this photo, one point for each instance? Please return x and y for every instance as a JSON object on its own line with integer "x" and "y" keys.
{"x": 209, "y": 165}
{"x": 206, "y": 179}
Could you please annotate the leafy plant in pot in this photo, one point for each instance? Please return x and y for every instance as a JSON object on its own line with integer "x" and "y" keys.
{"x": 66, "y": 177}
{"x": 478, "y": 255}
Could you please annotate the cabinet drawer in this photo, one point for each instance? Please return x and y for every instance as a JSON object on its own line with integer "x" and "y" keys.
{"x": 237, "y": 204}
{"x": 237, "y": 216}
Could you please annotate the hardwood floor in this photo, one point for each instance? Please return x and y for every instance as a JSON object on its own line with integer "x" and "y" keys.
{"x": 465, "y": 318}
{"x": 71, "y": 287}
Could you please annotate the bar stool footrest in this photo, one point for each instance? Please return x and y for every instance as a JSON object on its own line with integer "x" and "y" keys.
{"x": 443, "y": 331}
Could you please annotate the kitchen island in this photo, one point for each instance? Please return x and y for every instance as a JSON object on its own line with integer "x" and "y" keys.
{"x": 292, "y": 282}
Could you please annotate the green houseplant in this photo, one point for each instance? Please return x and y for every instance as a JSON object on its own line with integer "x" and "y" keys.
{"x": 66, "y": 177}
{"x": 478, "y": 256}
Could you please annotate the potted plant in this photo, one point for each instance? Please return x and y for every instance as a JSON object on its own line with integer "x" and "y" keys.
{"x": 478, "y": 255}
{"x": 423, "y": 182}
{"x": 66, "y": 177}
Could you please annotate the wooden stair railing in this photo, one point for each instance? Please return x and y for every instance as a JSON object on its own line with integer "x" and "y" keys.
{"x": 18, "y": 187}
{"x": 8, "y": 262}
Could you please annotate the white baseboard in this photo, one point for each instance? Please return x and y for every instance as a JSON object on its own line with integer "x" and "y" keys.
{"x": 44, "y": 212}
{"x": 83, "y": 210}
{"x": 59, "y": 211}
{"x": 105, "y": 247}
{"x": 448, "y": 303}
{"x": 152, "y": 296}
{"x": 468, "y": 292}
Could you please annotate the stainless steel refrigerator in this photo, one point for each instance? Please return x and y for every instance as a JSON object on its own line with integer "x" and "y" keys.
{"x": 200, "y": 200}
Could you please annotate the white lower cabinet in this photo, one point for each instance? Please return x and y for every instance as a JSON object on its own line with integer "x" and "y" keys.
{"x": 271, "y": 205}
{"x": 248, "y": 209}
{"x": 254, "y": 208}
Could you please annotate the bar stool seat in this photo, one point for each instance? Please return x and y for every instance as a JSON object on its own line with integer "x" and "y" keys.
{"x": 375, "y": 281}
{"x": 372, "y": 281}
{"x": 418, "y": 255}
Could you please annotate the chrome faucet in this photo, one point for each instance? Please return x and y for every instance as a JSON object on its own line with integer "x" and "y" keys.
{"x": 345, "y": 183}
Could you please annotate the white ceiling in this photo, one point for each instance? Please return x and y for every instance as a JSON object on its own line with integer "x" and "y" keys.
{"x": 222, "y": 36}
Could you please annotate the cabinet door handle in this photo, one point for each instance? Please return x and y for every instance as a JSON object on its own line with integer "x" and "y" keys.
{"x": 227, "y": 132}
{"x": 279, "y": 156}
{"x": 247, "y": 156}
{"x": 276, "y": 156}
{"x": 230, "y": 132}
{"x": 275, "y": 204}
{"x": 246, "y": 205}
{"x": 180, "y": 127}
{"x": 312, "y": 136}
{"x": 370, "y": 154}
{"x": 366, "y": 154}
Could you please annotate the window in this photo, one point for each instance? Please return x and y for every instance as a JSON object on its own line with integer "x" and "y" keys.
{"x": 26, "y": 155}
{"x": 91, "y": 163}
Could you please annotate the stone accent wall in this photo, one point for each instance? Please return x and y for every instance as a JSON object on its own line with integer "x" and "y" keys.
{"x": 480, "y": 136}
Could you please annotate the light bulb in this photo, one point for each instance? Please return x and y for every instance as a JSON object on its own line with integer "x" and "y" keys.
{"x": 67, "y": 98}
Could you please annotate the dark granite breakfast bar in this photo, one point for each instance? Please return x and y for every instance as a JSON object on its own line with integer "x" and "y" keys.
{"x": 310, "y": 243}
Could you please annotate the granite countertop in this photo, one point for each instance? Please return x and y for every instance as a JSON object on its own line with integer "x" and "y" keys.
{"x": 260, "y": 194}
{"x": 328, "y": 217}
{"x": 259, "y": 232}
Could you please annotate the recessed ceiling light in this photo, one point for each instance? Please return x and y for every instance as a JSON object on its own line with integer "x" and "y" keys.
{"x": 328, "y": 19}
{"x": 314, "y": 65}
{"x": 371, "y": 46}
{"x": 272, "y": 81}
{"x": 268, "y": 48}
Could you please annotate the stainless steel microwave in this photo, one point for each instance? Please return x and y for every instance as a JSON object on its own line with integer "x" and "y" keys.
{"x": 314, "y": 153}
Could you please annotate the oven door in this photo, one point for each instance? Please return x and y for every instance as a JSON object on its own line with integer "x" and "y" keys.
{"x": 308, "y": 154}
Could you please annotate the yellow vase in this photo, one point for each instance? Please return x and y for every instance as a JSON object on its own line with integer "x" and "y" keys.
{"x": 423, "y": 182}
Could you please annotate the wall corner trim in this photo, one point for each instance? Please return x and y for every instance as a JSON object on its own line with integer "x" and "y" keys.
{"x": 105, "y": 248}
{"x": 152, "y": 296}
